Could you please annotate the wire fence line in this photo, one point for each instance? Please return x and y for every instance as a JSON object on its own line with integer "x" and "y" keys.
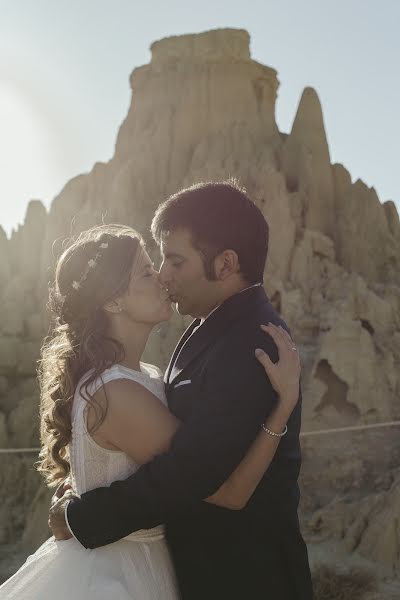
{"x": 351, "y": 428}
{"x": 19, "y": 450}
{"x": 302, "y": 434}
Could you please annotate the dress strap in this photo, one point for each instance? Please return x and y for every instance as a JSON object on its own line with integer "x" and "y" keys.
{"x": 120, "y": 372}
{"x": 117, "y": 371}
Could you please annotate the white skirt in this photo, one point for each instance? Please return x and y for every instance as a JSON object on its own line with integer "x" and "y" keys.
{"x": 128, "y": 569}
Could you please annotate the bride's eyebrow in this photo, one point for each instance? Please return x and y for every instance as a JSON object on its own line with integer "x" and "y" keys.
{"x": 173, "y": 255}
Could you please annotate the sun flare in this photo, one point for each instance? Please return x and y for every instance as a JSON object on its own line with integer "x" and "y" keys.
{"x": 25, "y": 155}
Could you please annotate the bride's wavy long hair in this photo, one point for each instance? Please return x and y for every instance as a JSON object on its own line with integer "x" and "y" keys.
{"x": 79, "y": 342}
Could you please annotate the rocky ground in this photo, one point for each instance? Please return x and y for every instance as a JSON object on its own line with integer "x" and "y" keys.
{"x": 341, "y": 575}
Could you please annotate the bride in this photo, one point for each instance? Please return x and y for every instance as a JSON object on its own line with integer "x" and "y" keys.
{"x": 106, "y": 299}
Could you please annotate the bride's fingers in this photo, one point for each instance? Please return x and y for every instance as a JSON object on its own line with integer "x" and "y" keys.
{"x": 273, "y": 331}
{"x": 61, "y": 489}
{"x": 68, "y": 495}
{"x": 287, "y": 336}
{"x": 276, "y": 336}
{"x": 264, "y": 359}
{"x": 288, "y": 355}
{"x": 283, "y": 335}
{"x": 278, "y": 329}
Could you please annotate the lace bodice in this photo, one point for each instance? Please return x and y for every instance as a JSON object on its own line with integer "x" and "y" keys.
{"x": 91, "y": 465}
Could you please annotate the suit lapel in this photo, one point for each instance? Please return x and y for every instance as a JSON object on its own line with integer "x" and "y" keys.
{"x": 186, "y": 334}
{"x": 192, "y": 344}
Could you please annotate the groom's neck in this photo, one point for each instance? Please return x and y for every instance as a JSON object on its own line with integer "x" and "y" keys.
{"x": 219, "y": 298}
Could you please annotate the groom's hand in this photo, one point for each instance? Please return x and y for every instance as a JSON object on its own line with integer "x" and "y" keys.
{"x": 57, "y": 522}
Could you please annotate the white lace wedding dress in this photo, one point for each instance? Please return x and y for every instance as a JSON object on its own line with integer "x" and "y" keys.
{"x": 137, "y": 567}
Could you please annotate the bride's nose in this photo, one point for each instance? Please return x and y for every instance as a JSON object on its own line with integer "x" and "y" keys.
{"x": 163, "y": 276}
{"x": 160, "y": 280}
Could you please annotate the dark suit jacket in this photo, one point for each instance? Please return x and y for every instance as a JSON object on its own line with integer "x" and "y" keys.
{"x": 221, "y": 393}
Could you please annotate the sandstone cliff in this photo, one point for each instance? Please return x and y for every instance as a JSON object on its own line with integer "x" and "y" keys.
{"x": 202, "y": 110}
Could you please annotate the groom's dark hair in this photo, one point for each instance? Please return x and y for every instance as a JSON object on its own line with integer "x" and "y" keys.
{"x": 219, "y": 216}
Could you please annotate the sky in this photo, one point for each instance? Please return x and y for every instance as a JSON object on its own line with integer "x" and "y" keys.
{"x": 65, "y": 66}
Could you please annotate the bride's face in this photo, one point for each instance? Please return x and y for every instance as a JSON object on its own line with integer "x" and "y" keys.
{"x": 145, "y": 300}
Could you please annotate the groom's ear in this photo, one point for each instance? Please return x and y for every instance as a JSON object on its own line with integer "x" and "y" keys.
{"x": 226, "y": 264}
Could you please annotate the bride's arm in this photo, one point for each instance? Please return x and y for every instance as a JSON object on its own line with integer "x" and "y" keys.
{"x": 140, "y": 425}
{"x": 284, "y": 376}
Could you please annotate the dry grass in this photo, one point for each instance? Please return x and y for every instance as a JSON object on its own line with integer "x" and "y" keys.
{"x": 333, "y": 584}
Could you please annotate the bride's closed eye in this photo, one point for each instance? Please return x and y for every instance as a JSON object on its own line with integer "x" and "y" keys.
{"x": 177, "y": 263}
{"x": 149, "y": 270}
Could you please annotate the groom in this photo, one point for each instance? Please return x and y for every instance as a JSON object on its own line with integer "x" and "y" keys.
{"x": 214, "y": 242}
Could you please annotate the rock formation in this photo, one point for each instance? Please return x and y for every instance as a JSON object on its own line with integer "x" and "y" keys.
{"x": 204, "y": 110}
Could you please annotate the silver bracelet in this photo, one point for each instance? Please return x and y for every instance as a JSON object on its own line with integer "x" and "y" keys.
{"x": 284, "y": 432}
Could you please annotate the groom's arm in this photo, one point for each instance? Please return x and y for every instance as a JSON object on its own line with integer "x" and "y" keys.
{"x": 236, "y": 397}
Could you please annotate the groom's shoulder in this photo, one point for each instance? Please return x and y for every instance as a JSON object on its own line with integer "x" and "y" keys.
{"x": 245, "y": 334}
{"x": 249, "y": 323}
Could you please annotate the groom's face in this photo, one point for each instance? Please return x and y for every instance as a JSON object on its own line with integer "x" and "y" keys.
{"x": 182, "y": 273}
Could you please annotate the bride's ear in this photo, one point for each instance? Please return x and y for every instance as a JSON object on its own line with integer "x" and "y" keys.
{"x": 114, "y": 306}
{"x": 226, "y": 264}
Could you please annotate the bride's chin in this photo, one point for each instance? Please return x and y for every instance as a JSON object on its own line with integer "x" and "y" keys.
{"x": 167, "y": 314}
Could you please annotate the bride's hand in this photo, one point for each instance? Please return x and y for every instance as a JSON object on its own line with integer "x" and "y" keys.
{"x": 56, "y": 521}
{"x": 285, "y": 374}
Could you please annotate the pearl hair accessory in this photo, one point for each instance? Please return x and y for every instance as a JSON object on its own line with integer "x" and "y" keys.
{"x": 92, "y": 264}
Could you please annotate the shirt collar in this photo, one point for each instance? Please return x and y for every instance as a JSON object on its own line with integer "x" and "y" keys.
{"x": 214, "y": 309}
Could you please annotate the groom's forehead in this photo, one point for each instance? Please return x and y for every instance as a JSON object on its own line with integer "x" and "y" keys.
{"x": 176, "y": 241}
